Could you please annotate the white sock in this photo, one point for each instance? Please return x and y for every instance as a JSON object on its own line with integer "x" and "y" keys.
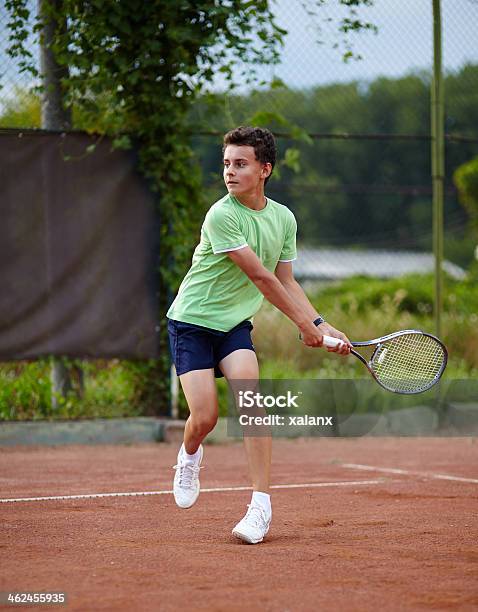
{"x": 192, "y": 458}
{"x": 263, "y": 500}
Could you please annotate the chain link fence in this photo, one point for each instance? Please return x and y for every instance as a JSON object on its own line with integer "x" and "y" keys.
{"x": 363, "y": 181}
{"x": 19, "y": 104}
{"x": 353, "y": 137}
{"x": 368, "y": 120}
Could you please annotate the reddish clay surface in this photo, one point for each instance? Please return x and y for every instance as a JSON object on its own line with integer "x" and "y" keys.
{"x": 408, "y": 542}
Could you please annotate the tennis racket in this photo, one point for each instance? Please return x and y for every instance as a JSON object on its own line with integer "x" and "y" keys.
{"x": 408, "y": 361}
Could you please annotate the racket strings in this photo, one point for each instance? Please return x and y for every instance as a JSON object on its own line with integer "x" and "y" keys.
{"x": 409, "y": 363}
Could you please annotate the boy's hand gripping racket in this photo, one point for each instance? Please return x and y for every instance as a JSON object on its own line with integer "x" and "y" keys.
{"x": 408, "y": 361}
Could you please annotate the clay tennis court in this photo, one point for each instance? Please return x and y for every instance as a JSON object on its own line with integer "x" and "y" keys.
{"x": 358, "y": 524}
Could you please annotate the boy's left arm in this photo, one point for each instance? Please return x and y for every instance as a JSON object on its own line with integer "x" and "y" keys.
{"x": 285, "y": 275}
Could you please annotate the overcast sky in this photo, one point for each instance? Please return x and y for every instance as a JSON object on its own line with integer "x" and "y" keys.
{"x": 404, "y": 41}
{"x": 403, "y": 44}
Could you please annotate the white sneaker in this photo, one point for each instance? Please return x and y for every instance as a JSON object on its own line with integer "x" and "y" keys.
{"x": 186, "y": 480}
{"x": 254, "y": 526}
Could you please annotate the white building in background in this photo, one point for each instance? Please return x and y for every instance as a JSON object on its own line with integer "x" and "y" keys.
{"x": 338, "y": 264}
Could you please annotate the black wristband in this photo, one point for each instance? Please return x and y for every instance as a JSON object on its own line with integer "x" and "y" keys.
{"x": 319, "y": 321}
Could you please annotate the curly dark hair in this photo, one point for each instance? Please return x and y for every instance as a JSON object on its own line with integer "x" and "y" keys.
{"x": 259, "y": 138}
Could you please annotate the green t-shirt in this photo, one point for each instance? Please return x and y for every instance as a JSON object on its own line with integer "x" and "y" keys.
{"x": 215, "y": 292}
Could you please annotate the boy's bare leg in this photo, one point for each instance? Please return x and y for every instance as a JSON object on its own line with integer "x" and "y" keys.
{"x": 242, "y": 365}
{"x": 259, "y": 453}
{"x": 199, "y": 388}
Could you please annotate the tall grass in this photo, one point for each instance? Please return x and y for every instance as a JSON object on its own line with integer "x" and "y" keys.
{"x": 361, "y": 308}
{"x": 25, "y": 392}
{"x": 364, "y": 309}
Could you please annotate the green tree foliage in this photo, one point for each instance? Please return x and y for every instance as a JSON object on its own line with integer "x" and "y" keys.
{"x": 134, "y": 70}
{"x": 374, "y": 192}
{"x": 21, "y": 111}
{"x": 466, "y": 181}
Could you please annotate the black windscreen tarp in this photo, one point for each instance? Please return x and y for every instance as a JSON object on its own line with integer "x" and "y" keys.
{"x": 78, "y": 250}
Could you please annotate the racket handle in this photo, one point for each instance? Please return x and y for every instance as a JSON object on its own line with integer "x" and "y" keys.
{"x": 331, "y": 342}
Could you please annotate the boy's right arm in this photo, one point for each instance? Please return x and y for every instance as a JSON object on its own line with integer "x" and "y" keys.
{"x": 272, "y": 289}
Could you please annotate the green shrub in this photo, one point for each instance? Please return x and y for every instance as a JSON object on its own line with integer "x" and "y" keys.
{"x": 25, "y": 392}
{"x": 366, "y": 308}
{"x": 361, "y": 307}
{"x": 413, "y": 293}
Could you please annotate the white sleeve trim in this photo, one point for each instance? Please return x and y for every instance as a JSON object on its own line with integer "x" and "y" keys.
{"x": 243, "y": 246}
{"x": 286, "y": 260}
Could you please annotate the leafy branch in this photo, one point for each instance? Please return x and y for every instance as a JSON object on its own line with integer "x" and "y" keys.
{"x": 134, "y": 70}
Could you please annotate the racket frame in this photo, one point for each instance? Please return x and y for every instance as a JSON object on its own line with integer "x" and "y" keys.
{"x": 379, "y": 342}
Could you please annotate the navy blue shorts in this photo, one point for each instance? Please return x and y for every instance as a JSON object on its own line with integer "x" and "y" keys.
{"x": 199, "y": 348}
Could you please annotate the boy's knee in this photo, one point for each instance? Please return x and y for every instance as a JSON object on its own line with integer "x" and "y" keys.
{"x": 205, "y": 423}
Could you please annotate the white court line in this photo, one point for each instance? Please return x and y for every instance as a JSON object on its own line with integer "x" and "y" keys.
{"x": 345, "y": 483}
{"x": 371, "y": 468}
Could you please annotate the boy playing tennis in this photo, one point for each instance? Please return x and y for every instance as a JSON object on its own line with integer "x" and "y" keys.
{"x": 245, "y": 252}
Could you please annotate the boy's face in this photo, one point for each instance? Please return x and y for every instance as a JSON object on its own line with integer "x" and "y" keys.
{"x": 243, "y": 173}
